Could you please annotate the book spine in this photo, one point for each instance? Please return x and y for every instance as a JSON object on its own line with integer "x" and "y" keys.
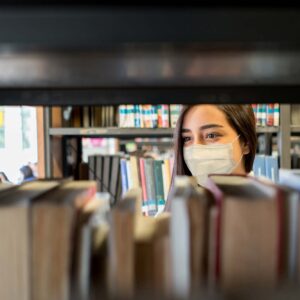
{"x": 154, "y": 116}
{"x": 276, "y": 114}
{"x": 167, "y": 177}
{"x": 270, "y": 115}
{"x": 141, "y": 116}
{"x": 129, "y": 174}
{"x": 159, "y": 187}
{"x": 150, "y": 186}
{"x": 121, "y": 115}
{"x": 143, "y": 184}
{"x": 264, "y": 115}
{"x": 124, "y": 175}
{"x": 159, "y": 116}
{"x": 165, "y": 116}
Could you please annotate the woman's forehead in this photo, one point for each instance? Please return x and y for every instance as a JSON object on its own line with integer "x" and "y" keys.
{"x": 200, "y": 115}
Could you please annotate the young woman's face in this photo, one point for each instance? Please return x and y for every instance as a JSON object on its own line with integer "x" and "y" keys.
{"x": 207, "y": 125}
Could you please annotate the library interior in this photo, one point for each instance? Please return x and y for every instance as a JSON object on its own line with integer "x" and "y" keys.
{"x": 130, "y": 134}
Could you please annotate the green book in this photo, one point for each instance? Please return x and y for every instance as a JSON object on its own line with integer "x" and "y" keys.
{"x": 159, "y": 185}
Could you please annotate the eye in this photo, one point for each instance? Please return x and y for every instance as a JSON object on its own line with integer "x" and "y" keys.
{"x": 186, "y": 139}
{"x": 212, "y": 136}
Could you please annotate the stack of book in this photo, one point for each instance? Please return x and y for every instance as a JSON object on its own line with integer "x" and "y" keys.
{"x": 266, "y": 114}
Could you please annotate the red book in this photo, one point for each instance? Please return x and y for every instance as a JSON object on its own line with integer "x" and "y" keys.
{"x": 249, "y": 232}
{"x": 143, "y": 181}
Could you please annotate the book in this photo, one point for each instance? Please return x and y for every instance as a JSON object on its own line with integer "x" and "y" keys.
{"x": 15, "y": 252}
{"x": 272, "y": 170}
{"x": 152, "y": 254}
{"x": 124, "y": 179}
{"x": 150, "y": 186}
{"x": 99, "y": 172}
{"x": 91, "y": 220}
{"x": 259, "y": 165}
{"x": 54, "y": 234}
{"x": 159, "y": 185}
{"x": 121, "y": 246}
{"x": 92, "y": 167}
{"x": 189, "y": 238}
{"x": 143, "y": 185}
{"x": 107, "y": 160}
{"x": 270, "y": 115}
{"x": 257, "y": 243}
{"x": 276, "y": 114}
{"x": 115, "y": 177}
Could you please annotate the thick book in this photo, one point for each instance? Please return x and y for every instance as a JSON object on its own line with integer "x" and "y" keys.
{"x": 55, "y": 234}
{"x": 189, "y": 236}
{"x": 152, "y": 254}
{"x": 15, "y": 249}
{"x": 249, "y": 255}
{"x": 121, "y": 280}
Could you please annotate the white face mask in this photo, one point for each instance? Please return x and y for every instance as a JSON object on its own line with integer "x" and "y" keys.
{"x": 210, "y": 159}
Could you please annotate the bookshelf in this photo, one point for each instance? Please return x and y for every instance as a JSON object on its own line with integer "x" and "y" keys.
{"x": 127, "y": 63}
{"x": 283, "y": 132}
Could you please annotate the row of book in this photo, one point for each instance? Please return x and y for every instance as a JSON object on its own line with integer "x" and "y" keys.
{"x": 116, "y": 174}
{"x": 66, "y": 242}
{"x": 105, "y": 170}
{"x": 154, "y": 178}
{"x": 149, "y": 116}
{"x": 129, "y": 116}
{"x": 266, "y": 114}
{"x": 89, "y": 116}
{"x": 266, "y": 166}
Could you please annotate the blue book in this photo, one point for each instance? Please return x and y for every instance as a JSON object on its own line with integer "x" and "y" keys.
{"x": 259, "y": 165}
{"x": 124, "y": 178}
{"x": 272, "y": 171}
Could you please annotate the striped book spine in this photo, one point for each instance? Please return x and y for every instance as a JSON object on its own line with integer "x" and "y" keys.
{"x": 276, "y": 114}
{"x": 124, "y": 175}
{"x": 270, "y": 115}
{"x": 165, "y": 116}
{"x": 264, "y": 115}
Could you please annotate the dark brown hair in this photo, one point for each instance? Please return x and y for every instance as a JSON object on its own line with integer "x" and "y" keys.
{"x": 240, "y": 117}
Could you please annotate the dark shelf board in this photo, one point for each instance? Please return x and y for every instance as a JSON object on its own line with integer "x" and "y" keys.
{"x": 113, "y": 132}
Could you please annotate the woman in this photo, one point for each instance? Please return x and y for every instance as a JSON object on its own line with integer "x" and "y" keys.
{"x": 214, "y": 139}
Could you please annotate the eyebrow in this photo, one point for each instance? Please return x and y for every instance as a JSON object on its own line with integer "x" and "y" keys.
{"x": 207, "y": 126}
